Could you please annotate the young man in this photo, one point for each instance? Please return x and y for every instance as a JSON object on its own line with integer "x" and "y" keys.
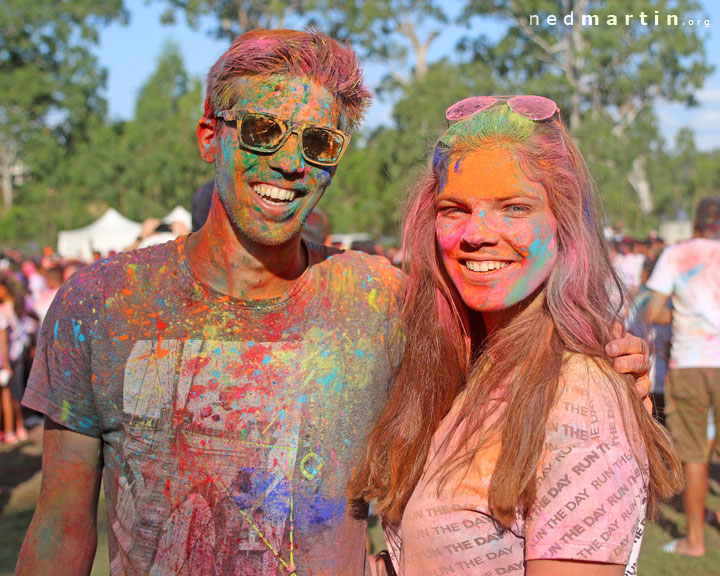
{"x": 688, "y": 272}
{"x": 222, "y": 384}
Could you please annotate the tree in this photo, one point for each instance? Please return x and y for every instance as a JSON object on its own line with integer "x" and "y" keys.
{"x": 388, "y": 30}
{"x": 236, "y": 16}
{"x": 146, "y": 166}
{"x": 49, "y": 79}
{"x": 602, "y": 62}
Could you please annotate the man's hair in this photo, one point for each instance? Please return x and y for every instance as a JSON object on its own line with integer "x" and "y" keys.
{"x": 310, "y": 54}
{"x": 707, "y": 215}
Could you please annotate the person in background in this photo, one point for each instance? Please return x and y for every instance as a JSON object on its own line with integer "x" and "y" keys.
{"x": 628, "y": 264}
{"x": 659, "y": 335}
{"x": 689, "y": 274}
{"x": 317, "y": 227}
{"x": 18, "y": 329}
{"x": 53, "y": 280}
{"x": 200, "y": 207}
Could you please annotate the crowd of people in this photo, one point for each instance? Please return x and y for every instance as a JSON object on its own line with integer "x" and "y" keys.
{"x": 27, "y": 289}
{"x": 244, "y": 395}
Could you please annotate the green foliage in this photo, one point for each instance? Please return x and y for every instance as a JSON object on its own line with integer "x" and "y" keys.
{"x": 388, "y": 30}
{"x": 46, "y": 66}
{"x": 146, "y": 166}
{"x": 143, "y": 167}
{"x": 49, "y": 95}
{"x": 233, "y": 17}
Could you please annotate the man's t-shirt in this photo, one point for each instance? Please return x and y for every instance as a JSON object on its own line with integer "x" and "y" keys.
{"x": 590, "y": 502}
{"x": 690, "y": 272}
{"x": 229, "y": 427}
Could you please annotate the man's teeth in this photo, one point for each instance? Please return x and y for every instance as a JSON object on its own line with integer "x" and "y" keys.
{"x": 275, "y": 193}
{"x": 485, "y": 265}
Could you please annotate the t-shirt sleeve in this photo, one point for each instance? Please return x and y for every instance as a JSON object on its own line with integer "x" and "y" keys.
{"x": 592, "y": 488}
{"x": 61, "y": 381}
{"x": 663, "y": 275}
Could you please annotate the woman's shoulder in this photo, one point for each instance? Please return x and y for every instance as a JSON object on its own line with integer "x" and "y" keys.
{"x": 590, "y": 402}
{"x": 587, "y": 376}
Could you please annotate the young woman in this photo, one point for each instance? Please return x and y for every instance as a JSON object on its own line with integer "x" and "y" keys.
{"x": 509, "y": 444}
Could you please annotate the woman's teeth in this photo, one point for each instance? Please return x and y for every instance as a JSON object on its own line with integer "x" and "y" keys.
{"x": 485, "y": 265}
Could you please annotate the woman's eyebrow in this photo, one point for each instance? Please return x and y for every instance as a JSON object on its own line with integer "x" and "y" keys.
{"x": 517, "y": 195}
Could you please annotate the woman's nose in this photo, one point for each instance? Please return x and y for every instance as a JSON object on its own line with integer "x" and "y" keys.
{"x": 480, "y": 230}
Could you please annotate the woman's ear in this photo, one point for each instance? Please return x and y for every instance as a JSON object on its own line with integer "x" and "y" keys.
{"x": 206, "y": 139}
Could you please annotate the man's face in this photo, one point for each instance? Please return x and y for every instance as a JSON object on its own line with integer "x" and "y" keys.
{"x": 268, "y": 196}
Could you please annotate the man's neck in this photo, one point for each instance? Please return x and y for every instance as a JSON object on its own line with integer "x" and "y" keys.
{"x": 231, "y": 263}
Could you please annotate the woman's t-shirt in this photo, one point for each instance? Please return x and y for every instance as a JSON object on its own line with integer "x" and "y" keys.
{"x": 590, "y": 503}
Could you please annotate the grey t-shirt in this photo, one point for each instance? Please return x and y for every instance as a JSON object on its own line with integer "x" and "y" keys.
{"x": 229, "y": 427}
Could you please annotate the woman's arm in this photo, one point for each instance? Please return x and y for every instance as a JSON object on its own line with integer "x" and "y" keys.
{"x": 571, "y": 568}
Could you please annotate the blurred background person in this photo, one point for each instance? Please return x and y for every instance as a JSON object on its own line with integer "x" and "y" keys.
{"x": 689, "y": 273}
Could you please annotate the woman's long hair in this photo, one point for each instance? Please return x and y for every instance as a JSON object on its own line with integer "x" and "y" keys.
{"x": 445, "y": 352}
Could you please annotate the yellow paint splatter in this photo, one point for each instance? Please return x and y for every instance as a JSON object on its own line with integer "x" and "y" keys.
{"x": 372, "y": 297}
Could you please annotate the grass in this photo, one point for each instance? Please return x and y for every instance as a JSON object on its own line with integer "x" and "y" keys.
{"x": 20, "y": 485}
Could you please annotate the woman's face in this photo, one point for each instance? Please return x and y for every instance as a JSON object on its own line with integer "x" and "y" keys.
{"x": 495, "y": 230}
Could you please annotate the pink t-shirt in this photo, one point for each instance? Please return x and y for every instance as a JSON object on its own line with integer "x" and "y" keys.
{"x": 590, "y": 503}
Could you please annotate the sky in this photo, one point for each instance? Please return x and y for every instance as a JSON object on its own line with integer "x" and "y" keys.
{"x": 130, "y": 54}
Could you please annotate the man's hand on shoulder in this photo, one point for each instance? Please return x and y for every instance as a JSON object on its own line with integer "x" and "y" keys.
{"x": 632, "y": 356}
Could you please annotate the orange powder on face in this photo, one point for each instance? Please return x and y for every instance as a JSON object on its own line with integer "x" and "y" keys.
{"x": 490, "y": 172}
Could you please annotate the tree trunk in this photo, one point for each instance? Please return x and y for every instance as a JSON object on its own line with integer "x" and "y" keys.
{"x": 639, "y": 181}
{"x": 7, "y": 157}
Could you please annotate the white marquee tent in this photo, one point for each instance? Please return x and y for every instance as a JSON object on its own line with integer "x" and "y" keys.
{"x": 112, "y": 231}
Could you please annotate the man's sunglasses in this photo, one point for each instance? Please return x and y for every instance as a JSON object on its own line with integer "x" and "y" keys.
{"x": 537, "y": 108}
{"x": 265, "y": 133}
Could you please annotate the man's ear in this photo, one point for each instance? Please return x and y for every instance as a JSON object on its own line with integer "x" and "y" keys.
{"x": 206, "y": 139}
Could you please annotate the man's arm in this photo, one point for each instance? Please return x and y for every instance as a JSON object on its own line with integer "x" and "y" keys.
{"x": 657, "y": 312}
{"x": 63, "y": 532}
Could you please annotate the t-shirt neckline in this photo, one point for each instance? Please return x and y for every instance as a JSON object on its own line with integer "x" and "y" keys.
{"x": 221, "y": 297}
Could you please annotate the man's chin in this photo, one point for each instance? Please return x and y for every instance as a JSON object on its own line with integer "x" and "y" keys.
{"x": 272, "y": 237}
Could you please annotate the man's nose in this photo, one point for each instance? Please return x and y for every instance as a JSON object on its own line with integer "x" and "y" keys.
{"x": 289, "y": 160}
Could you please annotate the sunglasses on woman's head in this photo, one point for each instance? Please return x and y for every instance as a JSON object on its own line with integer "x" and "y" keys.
{"x": 266, "y": 133}
{"x": 535, "y": 108}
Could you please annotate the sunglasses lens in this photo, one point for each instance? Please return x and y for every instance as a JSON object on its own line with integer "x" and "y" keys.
{"x": 468, "y": 107}
{"x": 321, "y": 145}
{"x": 260, "y": 131}
{"x": 533, "y": 107}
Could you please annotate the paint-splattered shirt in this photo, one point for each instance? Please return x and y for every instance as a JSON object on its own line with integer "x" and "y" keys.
{"x": 590, "y": 502}
{"x": 690, "y": 272}
{"x": 229, "y": 427}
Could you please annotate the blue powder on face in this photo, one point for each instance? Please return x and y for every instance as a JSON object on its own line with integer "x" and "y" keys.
{"x": 440, "y": 165}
